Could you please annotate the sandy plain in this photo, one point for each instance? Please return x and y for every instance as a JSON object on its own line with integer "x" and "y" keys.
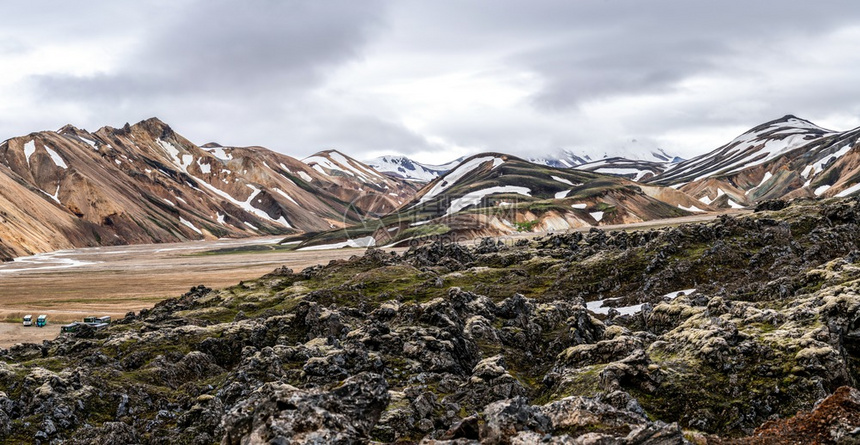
{"x": 68, "y": 285}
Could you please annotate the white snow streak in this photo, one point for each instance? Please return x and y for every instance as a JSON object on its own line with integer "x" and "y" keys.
{"x": 849, "y": 190}
{"x": 367, "y": 241}
{"x": 455, "y": 175}
{"x": 690, "y": 209}
{"x": 285, "y": 195}
{"x": 56, "y": 158}
{"x": 189, "y": 225}
{"x": 562, "y": 180}
{"x": 821, "y": 190}
{"x": 29, "y": 149}
{"x": 473, "y": 198}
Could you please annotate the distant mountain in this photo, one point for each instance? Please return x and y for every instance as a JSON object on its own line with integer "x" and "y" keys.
{"x": 495, "y": 194}
{"x": 145, "y": 183}
{"x": 633, "y": 150}
{"x": 784, "y": 158}
{"x": 635, "y": 170}
{"x": 634, "y": 160}
{"x": 405, "y": 168}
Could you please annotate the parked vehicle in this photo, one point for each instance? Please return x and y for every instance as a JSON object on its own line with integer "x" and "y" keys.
{"x": 71, "y": 327}
{"x": 41, "y": 321}
{"x": 28, "y": 320}
{"x": 97, "y": 322}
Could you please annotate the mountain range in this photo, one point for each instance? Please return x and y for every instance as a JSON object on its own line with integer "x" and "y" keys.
{"x": 493, "y": 194}
{"x": 633, "y": 160}
{"x": 146, "y": 183}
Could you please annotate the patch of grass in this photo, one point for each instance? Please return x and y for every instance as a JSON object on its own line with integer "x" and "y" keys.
{"x": 526, "y": 226}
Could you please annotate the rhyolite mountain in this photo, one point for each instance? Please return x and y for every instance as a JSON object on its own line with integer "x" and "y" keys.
{"x": 146, "y": 183}
{"x": 782, "y": 159}
{"x": 494, "y": 194}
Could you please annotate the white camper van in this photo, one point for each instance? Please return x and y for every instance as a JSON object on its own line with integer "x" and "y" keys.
{"x": 28, "y": 320}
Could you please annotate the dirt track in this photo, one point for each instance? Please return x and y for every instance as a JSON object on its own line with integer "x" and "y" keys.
{"x": 68, "y": 285}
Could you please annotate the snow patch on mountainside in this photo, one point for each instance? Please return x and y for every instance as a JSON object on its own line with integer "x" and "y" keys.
{"x": 562, "y": 180}
{"x": 690, "y": 209}
{"x": 473, "y": 198}
{"x": 183, "y": 161}
{"x": 332, "y": 160}
{"x": 458, "y": 173}
{"x": 56, "y": 158}
{"x": 285, "y": 195}
{"x": 29, "y": 149}
{"x": 848, "y": 191}
{"x": 367, "y": 241}
{"x": 220, "y": 153}
{"x": 188, "y": 224}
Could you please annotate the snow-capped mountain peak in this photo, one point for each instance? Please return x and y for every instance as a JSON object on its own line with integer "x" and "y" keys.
{"x": 405, "y": 168}
{"x": 632, "y": 150}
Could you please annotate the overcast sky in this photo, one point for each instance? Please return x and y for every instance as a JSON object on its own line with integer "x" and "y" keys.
{"x": 432, "y": 79}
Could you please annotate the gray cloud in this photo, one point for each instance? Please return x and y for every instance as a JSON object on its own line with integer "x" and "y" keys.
{"x": 625, "y": 47}
{"x": 215, "y": 47}
{"x": 280, "y": 73}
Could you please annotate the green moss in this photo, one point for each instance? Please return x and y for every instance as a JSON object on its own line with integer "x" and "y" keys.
{"x": 584, "y": 381}
{"x": 526, "y": 226}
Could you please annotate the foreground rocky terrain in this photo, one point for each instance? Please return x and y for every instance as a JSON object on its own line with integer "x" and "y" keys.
{"x": 709, "y": 333}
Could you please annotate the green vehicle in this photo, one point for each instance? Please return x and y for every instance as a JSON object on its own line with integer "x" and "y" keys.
{"x": 42, "y": 321}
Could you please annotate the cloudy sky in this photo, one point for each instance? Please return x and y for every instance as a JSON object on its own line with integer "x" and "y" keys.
{"x": 432, "y": 79}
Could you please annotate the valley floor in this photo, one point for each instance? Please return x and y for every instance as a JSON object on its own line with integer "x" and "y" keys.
{"x": 69, "y": 285}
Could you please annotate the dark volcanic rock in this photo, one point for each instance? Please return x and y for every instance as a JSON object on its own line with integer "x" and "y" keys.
{"x": 281, "y": 413}
{"x": 486, "y": 344}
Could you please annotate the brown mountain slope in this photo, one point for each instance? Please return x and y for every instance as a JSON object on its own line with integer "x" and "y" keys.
{"x": 146, "y": 183}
